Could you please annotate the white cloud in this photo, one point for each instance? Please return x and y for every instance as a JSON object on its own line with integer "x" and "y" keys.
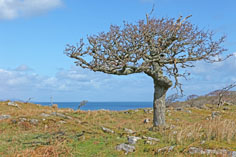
{"x": 11, "y": 9}
{"x": 72, "y": 84}
{"x": 77, "y": 84}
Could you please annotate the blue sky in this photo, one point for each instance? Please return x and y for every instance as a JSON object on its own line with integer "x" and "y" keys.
{"x": 34, "y": 33}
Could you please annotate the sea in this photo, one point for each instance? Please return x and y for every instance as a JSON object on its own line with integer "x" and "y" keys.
{"x": 113, "y": 106}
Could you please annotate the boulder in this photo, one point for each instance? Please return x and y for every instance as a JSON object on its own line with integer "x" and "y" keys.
{"x": 126, "y": 148}
{"x": 44, "y": 115}
{"x": 61, "y": 115}
{"x": 13, "y": 104}
{"x": 4, "y": 117}
{"x": 133, "y": 139}
{"x": 166, "y": 149}
{"x": 129, "y": 131}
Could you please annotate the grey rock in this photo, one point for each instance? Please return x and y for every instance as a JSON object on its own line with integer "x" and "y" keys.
{"x": 44, "y": 115}
{"x": 149, "y": 142}
{"x": 153, "y": 139}
{"x": 233, "y": 153}
{"x": 188, "y": 111}
{"x": 13, "y": 104}
{"x": 60, "y": 115}
{"x": 5, "y": 117}
{"x": 126, "y": 148}
{"x": 129, "y": 131}
{"x": 22, "y": 119}
{"x": 148, "y": 110}
{"x": 126, "y": 112}
{"x": 34, "y": 121}
{"x": 215, "y": 114}
{"x": 166, "y": 149}
{"x": 133, "y": 139}
{"x": 146, "y": 120}
{"x": 202, "y": 142}
{"x": 62, "y": 122}
{"x": 107, "y": 130}
{"x": 195, "y": 150}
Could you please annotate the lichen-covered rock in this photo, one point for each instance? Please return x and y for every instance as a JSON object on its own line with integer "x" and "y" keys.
{"x": 34, "y": 121}
{"x": 4, "y": 117}
{"x": 44, "y": 115}
{"x": 215, "y": 114}
{"x": 13, "y": 104}
{"x": 126, "y": 148}
{"x": 196, "y": 150}
{"x": 61, "y": 115}
{"x": 107, "y": 130}
{"x": 129, "y": 131}
{"x": 133, "y": 139}
{"x": 166, "y": 149}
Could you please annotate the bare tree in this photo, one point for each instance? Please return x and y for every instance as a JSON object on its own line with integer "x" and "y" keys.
{"x": 172, "y": 98}
{"x": 156, "y": 47}
{"x": 82, "y": 103}
{"x": 223, "y": 92}
{"x": 191, "y": 98}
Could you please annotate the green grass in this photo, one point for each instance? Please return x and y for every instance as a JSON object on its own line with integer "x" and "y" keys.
{"x": 82, "y": 135}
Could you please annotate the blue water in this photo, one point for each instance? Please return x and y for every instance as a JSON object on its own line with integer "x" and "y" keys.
{"x": 114, "y": 106}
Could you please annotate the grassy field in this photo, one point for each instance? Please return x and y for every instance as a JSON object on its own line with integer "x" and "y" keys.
{"x": 35, "y": 130}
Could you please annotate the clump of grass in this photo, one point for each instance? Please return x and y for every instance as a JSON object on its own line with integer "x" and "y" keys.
{"x": 218, "y": 129}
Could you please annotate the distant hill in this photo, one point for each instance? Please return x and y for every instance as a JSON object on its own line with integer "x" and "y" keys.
{"x": 210, "y": 98}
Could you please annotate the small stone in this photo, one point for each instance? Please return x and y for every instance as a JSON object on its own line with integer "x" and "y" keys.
{"x": 149, "y": 142}
{"x": 148, "y": 110}
{"x": 129, "y": 131}
{"x": 33, "y": 121}
{"x": 62, "y": 122}
{"x": 125, "y": 147}
{"x": 203, "y": 142}
{"x": 133, "y": 139}
{"x": 166, "y": 149}
{"x": 126, "y": 112}
{"x": 153, "y": 139}
{"x": 174, "y": 132}
{"x": 22, "y": 119}
{"x": 215, "y": 114}
{"x": 5, "y": 117}
{"x": 188, "y": 111}
{"x": 146, "y": 120}
{"x": 194, "y": 150}
{"x": 107, "y": 130}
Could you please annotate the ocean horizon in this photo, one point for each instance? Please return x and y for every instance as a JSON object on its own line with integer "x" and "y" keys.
{"x": 113, "y": 106}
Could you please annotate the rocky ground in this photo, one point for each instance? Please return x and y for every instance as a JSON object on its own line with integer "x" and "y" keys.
{"x": 30, "y": 129}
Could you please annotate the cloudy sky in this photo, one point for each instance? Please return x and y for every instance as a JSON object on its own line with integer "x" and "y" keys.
{"x": 34, "y": 33}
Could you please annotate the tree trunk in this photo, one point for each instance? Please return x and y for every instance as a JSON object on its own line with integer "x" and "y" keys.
{"x": 161, "y": 85}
